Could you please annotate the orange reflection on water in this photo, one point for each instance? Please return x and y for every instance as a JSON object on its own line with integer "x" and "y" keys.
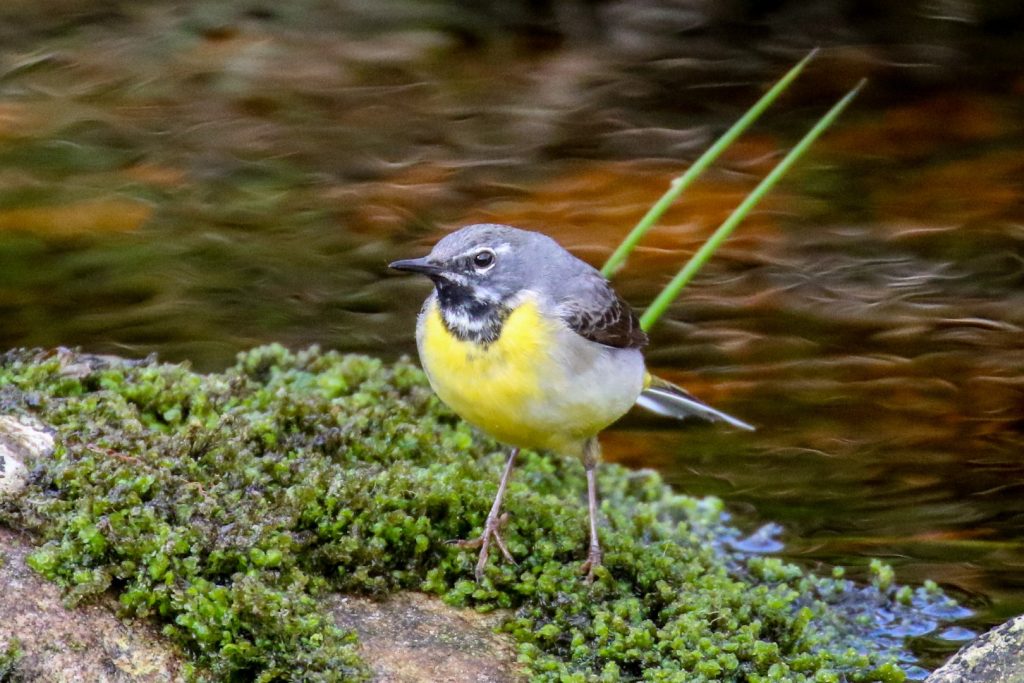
{"x": 589, "y": 208}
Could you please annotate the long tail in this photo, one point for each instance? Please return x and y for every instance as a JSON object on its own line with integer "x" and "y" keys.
{"x": 665, "y": 398}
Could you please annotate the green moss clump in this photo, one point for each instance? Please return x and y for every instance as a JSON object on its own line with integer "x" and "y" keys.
{"x": 9, "y": 660}
{"x": 225, "y": 506}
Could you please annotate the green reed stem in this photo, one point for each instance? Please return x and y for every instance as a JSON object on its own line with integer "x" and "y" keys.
{"x": 680, "y": 184}
{"x": 697, "y": 261}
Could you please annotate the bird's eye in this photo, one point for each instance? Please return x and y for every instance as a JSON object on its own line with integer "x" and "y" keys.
{"x": 483, "y": 259}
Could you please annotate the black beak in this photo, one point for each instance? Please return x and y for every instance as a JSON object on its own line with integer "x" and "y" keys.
{"x": 416, "y": 265}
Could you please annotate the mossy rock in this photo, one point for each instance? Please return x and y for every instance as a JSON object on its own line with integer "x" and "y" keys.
{"x": 994, "y": 657}
{"x": 227, "y": 507}
{"x": 43, "y": 640}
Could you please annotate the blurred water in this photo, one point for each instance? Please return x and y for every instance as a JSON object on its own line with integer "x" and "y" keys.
{"x": 197, "y": 181}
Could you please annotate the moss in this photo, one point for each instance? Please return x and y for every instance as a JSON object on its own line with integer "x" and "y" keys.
{"x": 9, "y": 660}
{"x": 225, "y": 505}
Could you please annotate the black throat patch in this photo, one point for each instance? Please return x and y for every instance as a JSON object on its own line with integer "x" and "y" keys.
{"x": 468, "y": 318}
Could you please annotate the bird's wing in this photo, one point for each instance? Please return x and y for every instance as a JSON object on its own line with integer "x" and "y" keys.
{"x": 597, "y": 313}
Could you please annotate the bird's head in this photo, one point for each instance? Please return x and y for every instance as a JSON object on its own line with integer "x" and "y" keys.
{"x": 486, "y": 265}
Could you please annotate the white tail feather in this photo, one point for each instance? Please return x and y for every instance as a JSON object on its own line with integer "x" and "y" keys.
{"x": 671, "y": 401}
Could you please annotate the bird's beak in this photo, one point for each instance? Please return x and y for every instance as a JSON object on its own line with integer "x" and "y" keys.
{"x": 416, "y": 265}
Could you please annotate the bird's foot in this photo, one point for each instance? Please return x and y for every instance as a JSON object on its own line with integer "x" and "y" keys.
{"x": 492, "y": 531}
{"x": 592, "y": 563}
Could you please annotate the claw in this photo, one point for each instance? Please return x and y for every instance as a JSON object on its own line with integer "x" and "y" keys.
{"x": 592, "y": 562}
{"x": 492, "y": 528}
{"x": 492, "y": 531}
{"x": 502, "y": 521}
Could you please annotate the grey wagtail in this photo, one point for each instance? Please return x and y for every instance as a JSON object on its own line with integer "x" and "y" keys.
{"x": 532, "y": 345}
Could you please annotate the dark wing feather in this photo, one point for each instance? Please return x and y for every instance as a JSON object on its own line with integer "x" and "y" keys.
{"x": 603, "y": 317}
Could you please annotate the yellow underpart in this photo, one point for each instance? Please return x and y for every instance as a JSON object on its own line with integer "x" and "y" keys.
{"x": 504, "y": 387}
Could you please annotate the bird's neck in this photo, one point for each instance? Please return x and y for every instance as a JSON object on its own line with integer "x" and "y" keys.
{"x": 470, "y": 318}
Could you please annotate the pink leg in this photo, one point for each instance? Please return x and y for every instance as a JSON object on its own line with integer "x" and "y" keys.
{"x": 594, "y": 556}
{"x": 591, "y": 456}
{"x": 492, "y": 527}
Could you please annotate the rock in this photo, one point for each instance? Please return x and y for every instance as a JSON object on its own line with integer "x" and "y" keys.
{"x": 416, "y": 638}
{"x": 87, "y": 643}
{"x": 20, "y": 441}
{"x": 994, "y": 657}
{"x": 408, "y": 638}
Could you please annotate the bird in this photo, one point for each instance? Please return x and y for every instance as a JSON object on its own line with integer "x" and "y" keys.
{"x": 531, "y": 345}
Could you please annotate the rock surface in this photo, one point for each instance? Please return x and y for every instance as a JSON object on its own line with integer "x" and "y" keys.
{"x": 414, "y": 637}
{"x": 407, "y": 639}
{"x": 994, "y": 657}
{"x": 410, "y": 638}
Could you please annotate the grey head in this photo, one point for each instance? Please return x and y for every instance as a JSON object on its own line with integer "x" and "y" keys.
{"x": 482, "y": 271}
{"x": 495, "y": 263}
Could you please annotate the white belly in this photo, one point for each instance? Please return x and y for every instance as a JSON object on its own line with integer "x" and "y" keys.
{"x": 597, "y": 385}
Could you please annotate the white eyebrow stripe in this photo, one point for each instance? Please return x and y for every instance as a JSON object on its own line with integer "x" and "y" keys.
{"x": 502, "y": 248}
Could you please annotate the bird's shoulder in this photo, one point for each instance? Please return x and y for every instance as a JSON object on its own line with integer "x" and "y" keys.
{"x": 595, "y": 311}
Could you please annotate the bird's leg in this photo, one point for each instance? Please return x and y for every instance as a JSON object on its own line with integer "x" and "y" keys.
{"x": 590, "y": 458}
{"x": 492, "y": 527}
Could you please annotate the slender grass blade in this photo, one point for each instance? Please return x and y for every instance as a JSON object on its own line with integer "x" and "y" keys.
{"x": 679, "y": 185}
{"x": 697, "y": 261}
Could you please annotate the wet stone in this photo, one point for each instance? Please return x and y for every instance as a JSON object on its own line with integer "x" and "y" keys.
{"x": 995, "y": 657}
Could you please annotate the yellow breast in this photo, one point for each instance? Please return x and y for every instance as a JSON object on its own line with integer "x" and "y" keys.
{"x": 498, "y": 385}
